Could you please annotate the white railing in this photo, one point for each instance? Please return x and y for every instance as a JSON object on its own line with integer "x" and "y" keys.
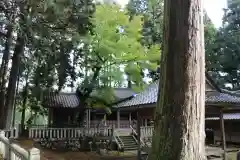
{"x": 135, "y": 133}
{"x": 123, "y": 123}
{"x": 146, "y": 131}
{"x": 66, "y": 133}
{"x": 14, "y": 152}
{"x": 118, "y": 140}
{"x": 37, "y": 126}
{"x": 11, "y": 133}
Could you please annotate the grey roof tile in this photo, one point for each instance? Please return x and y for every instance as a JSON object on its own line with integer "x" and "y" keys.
{"x": 218, "y": 97}
{"x": 123, "y": 93}
{"x": 149, "y": 96}
{"x": 226, "y": 116}
{"x": 71, "y": 100}
{"x": 63, "y": 100}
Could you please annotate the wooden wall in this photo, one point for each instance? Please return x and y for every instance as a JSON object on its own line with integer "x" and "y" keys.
{"x": 232, "y": 130}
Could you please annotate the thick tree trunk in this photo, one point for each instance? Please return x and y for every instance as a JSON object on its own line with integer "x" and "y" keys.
{"x": 3, "y": 73}
{"x": 179, "y": 116}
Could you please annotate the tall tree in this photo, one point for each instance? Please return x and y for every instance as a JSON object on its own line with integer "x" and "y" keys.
{"x": 223, "y": 61}
{"x": 18, "y": 52}
{"x": 180, "y": 111}
{"x": 152, "y": 12}
{"x": 43, "y": 28}
{"x": 115, "y": 42}
{"x": 9, "y": 17}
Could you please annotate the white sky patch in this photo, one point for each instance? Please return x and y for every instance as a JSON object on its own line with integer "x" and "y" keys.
{"x": 214, "y": 9}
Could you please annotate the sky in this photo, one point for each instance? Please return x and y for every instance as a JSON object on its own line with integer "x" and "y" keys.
{"x": 214, "y": 9}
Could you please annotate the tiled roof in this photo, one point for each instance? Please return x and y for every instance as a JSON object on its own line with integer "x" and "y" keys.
{"x": 218, "y": 97}
{"x": 63, "y": 100}
{"x": 226, "y": 116}
{"x": 123, "y": 93}
{"x": 149, "y": 96}
{"x": 71, "y": 100}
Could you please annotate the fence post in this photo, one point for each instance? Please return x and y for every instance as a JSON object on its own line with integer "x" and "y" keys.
{"x": 17, "y": 131}
{"x": 34, "y": 154}
{"x": 11, "y": 133}
{"x": 2, "y": 145}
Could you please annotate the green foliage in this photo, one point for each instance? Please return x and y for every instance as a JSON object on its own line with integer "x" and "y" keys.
{"x": 223, "y": 55}
{"x": 49, "y": 30}
{"x": 115, "y": 43}
{"x": 136, "y": 7}
{"x": 151, "y": 33}
{"x": 210, "y": 33}
{"x": 69, "y": 40}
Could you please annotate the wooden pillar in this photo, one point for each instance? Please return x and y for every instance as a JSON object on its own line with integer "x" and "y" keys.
{"x": 118, "y": 118}
{"x": 223, "y": 135}
{"x": 138, "y": 136}
{"x": 89, "y": 118}
{"x": 130, "y": 118}
{"x": 145, "y": 122}
{"x": 50, "y": 116}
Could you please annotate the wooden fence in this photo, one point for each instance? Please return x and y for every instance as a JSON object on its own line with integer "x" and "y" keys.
{"x": 11, "y": 133}
{"x": 146, "y": 131}
{"x": 66, "y": 133}
{"x": 10, "y": 151}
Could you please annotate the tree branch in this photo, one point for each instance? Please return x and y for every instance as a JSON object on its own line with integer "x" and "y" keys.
{"x": 125, "y": 61}
{"x": 91, "y": 85}
{"x": 3, "y": 34}
{"x": 99, "y": 57}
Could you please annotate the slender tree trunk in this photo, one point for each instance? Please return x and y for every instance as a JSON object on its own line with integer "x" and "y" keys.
{"x": 129, "y": 84}
{"x": 25, "y": 95}
{"x": 3, "y": 73}
{"x": 18, "y": 51}
{"x": 179, "y": 115}
{"x": 19, "y": 48}
{"x": 15, "y": 100}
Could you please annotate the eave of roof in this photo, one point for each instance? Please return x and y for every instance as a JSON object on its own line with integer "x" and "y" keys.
{"x": 71, "y": 100}
{"x": 150, "y": 94}
{"x": 211, "y": 82}
{"x": 226, "y": 116}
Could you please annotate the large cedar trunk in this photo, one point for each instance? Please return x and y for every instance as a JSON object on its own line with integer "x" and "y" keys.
{"x": 179, "y": 116}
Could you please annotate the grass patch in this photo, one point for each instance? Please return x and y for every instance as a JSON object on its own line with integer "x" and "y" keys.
{"x": 232, "y": 156}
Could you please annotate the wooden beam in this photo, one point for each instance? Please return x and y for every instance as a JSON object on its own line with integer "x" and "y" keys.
{"x": 50, "y": 117}
{"x": 223, "y": 135}
{"x": 130, "y": 118}
{"x": 138, "y": 136}
{"x": 118, "y": 119}
{"x": 89, "y": 118}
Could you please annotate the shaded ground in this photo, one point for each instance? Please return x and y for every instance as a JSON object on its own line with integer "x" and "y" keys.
{"x": 47, "y": 154}
{"x": 216, "y": 152}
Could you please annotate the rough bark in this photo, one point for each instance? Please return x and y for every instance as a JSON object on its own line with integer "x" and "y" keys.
{"x": 3, "y": 72}
{"x": 179, "y": 115}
